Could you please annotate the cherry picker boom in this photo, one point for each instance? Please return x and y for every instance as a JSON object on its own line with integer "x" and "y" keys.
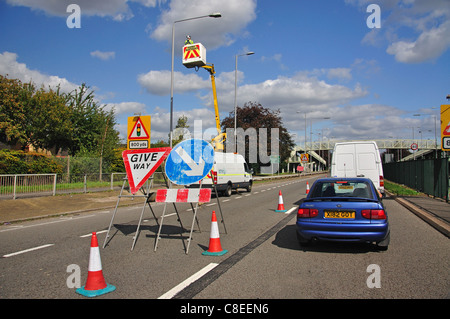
{"x": 194, "y": 56}
{"x": 219, "y": 140}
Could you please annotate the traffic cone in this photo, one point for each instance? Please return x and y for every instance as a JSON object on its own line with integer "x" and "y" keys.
{"x": 215, "y": 248}
{"x": 307, "y": 188}
{"x": 95, "y": 283}
{"x": 280, "y": 204}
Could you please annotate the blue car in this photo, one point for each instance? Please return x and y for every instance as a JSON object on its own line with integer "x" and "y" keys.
{"x": 343, "y": 209}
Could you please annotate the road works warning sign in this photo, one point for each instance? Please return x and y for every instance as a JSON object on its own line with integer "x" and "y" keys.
{"x": 141, "y": 164}
{"x": 138, "y": 132}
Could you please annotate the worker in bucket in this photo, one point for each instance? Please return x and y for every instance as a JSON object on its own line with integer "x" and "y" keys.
{"x": 188, "y": 40}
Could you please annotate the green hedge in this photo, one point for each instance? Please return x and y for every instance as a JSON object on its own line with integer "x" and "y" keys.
{"x": 20, "y": 162}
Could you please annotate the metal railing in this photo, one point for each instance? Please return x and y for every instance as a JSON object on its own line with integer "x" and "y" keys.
{"x": 34, "y": 185}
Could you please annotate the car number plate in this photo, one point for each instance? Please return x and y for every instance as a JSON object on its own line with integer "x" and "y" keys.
{"x": 339, "y": 214}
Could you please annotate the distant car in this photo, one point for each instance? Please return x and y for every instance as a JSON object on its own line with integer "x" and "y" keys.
{"x": 343, "y": 209}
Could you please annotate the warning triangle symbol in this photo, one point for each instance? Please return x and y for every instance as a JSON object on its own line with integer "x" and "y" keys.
{"x": 141, "y": 164}
{"x": 139, "y": 132}
{"x": 446, "y": 131}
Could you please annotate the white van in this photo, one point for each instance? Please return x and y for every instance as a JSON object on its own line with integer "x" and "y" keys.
{"x": 230, "y": 171}
{"x": 358, "y": 159}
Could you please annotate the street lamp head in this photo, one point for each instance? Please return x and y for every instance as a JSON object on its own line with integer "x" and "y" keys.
{"x": 215, "y": 15}
{"x": 250, "y": 53}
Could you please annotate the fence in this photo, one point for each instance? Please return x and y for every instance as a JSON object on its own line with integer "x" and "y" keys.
{"x": 29, "y": 185}
{"x": 429, "y": 176}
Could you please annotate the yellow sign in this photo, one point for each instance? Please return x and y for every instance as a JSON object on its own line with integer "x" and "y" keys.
{"x": 304, "y": 158}
{"x": 138, "y": 135}
{"x": 445, "y": 127}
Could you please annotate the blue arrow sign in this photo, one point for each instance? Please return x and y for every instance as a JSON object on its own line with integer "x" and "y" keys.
{"x": 189, "y": 161}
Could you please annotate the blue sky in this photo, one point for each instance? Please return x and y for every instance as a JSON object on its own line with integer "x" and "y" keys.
{"x": 314, "y": 57}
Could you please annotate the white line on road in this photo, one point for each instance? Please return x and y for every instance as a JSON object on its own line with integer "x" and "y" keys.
{"x": 26, "y": 250}
{"x": 62, "y": 219}
{"x": 290, "y": 210}
{"x": 89, "y": 235}
{"x": 172, "y": 292}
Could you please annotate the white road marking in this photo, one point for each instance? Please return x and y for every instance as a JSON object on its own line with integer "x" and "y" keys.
{"x": 172, "y": 292}
{"x": 26, "y": 250}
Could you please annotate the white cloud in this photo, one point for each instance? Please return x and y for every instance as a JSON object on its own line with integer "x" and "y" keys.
{"x": 117, "y": 9}
{"x": 415, "y": 31}
{"x": 158, "y": 82}
{"x": 215, "y": 32}
{"x": 15, "y": 70}
{"x": 103, "y": 55}
{"x": 428, "y": 46}
{"x": 126, "y": 107}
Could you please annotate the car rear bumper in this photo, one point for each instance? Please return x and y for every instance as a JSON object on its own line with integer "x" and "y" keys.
{"x": 375, "y": 232}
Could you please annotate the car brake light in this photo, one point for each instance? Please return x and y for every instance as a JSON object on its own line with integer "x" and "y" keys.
{"x": 307, "y": 212}
{"x": 381, "y": 181}
{"x": 373, "y": 213}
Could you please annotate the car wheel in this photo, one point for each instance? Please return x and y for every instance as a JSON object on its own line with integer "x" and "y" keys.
{"x": 227, "y": 192}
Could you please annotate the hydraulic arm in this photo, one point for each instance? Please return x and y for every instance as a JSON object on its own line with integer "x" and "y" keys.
{"x": 219, "y": 140}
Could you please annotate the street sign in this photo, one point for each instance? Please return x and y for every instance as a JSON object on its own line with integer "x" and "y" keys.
{"x": 138, "y": 134}
{"x": 141, "y": 164}
{"x": 445, "y": 127}
{"x": 414, "y": 146}
{"x": 304, "y": 158}
{"x": 189, "y": 161}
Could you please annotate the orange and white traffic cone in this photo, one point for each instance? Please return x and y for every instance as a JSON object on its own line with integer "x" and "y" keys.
{"x": 307, "y": 188}
{"x": 95, "y": 283}
{"x": 215, "y": 248}
{"x": 280, "y": 204}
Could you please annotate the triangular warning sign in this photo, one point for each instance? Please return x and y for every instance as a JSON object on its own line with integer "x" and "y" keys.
{"x": 141, "y": 164}
{"x": 446, "y": 131}
{"x": 139, "y": 132}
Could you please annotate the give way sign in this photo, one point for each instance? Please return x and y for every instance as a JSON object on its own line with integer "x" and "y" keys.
{"x": 141, "y": 164}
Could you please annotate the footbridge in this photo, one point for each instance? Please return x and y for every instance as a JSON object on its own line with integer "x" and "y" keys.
{"x": 317, "y": 150}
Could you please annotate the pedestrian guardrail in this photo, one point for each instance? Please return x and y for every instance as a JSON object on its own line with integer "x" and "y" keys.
{"x": 13, "y": 186}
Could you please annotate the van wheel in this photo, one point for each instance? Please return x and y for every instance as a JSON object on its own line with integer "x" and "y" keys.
{"x": 227, "y": 191}
{"x": 249, "y": 187}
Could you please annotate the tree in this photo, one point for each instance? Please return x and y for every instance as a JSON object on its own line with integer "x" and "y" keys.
{"x": 49, "y": 121}
{"x": 14, "y": 107}
{"x": 254, "y": 115}
{"x": 180, "y": 129}
{"x": 92, "y": 126}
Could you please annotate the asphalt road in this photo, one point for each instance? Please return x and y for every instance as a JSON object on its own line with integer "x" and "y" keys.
{"x": 263, "y": 259}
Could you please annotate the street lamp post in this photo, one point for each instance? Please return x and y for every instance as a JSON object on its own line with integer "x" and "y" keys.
{"x": 235, "y": 95}
{"x": 212, "y": 15}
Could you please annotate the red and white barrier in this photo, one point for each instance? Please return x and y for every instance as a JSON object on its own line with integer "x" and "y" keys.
{"x": 183, "y": 195}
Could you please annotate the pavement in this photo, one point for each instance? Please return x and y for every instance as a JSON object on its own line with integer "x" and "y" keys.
{"x": 434, "y": 211}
